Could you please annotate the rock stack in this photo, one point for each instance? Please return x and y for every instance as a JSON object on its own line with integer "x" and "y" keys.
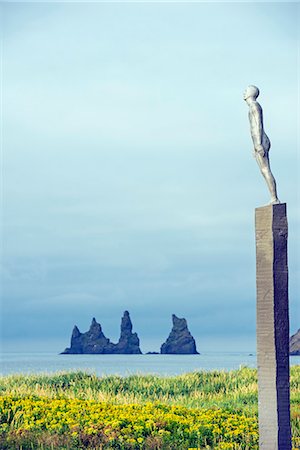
{"x": 95, "y": 342}
{"x": 295, "y": 344}
{"x": 180, "y": 340}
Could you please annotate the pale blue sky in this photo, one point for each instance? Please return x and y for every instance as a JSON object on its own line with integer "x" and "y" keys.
{"x": 128, "y": 176}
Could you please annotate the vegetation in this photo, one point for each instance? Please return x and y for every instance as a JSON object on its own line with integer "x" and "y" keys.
{"x": 207, "y": 410}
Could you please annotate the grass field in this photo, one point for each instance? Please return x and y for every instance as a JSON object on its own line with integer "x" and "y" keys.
{"x": 207, "y": 410}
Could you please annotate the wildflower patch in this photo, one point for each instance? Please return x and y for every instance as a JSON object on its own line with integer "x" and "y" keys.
{"x": 132, "y": 426}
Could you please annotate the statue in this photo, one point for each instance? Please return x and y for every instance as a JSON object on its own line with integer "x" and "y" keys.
{"x": 260, "y": 140}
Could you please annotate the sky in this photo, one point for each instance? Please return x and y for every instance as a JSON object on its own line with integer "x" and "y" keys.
{"x": 128, "y": 181}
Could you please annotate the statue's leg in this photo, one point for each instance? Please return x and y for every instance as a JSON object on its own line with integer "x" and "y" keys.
{"x": 264, "y": 165}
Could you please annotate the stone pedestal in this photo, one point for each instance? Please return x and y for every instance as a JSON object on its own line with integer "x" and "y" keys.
{"x": 272, "y": 328}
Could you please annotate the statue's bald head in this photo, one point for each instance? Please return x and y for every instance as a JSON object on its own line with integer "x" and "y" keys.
{"x": 251, "y": 91}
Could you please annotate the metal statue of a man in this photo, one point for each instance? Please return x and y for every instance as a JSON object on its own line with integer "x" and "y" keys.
{"x": 260, "y": 140}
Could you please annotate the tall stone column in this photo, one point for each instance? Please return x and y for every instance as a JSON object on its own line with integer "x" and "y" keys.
{"x": 272, "y": 328}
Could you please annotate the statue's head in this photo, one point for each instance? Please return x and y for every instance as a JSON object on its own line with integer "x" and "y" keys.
{"x": 251, "y": 91}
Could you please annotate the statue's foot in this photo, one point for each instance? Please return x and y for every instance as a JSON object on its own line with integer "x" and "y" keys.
{"x": 274, "y": 201}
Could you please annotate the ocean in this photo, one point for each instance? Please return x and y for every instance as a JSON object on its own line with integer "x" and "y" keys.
{"x": 166, "y": 365}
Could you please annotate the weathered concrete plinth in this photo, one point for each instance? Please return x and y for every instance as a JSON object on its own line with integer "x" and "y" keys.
{"x": 272, "y": 328}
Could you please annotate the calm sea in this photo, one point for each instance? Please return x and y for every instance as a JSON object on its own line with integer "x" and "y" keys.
{"x": 126, "y": 364}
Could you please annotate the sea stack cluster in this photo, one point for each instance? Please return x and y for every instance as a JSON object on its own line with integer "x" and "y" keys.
{"x": 180, "y": 341}
{"x": 95, "y": 342}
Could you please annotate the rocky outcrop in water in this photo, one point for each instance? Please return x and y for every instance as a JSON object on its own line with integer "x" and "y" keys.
{"x": 95, "y": 342}
{"x": 129, "y": 342}
{"x": 180, "y": 340}
{"x": 295, "y": 344}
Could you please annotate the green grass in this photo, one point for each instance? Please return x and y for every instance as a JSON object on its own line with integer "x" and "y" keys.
{"x": 233, "y": 391}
